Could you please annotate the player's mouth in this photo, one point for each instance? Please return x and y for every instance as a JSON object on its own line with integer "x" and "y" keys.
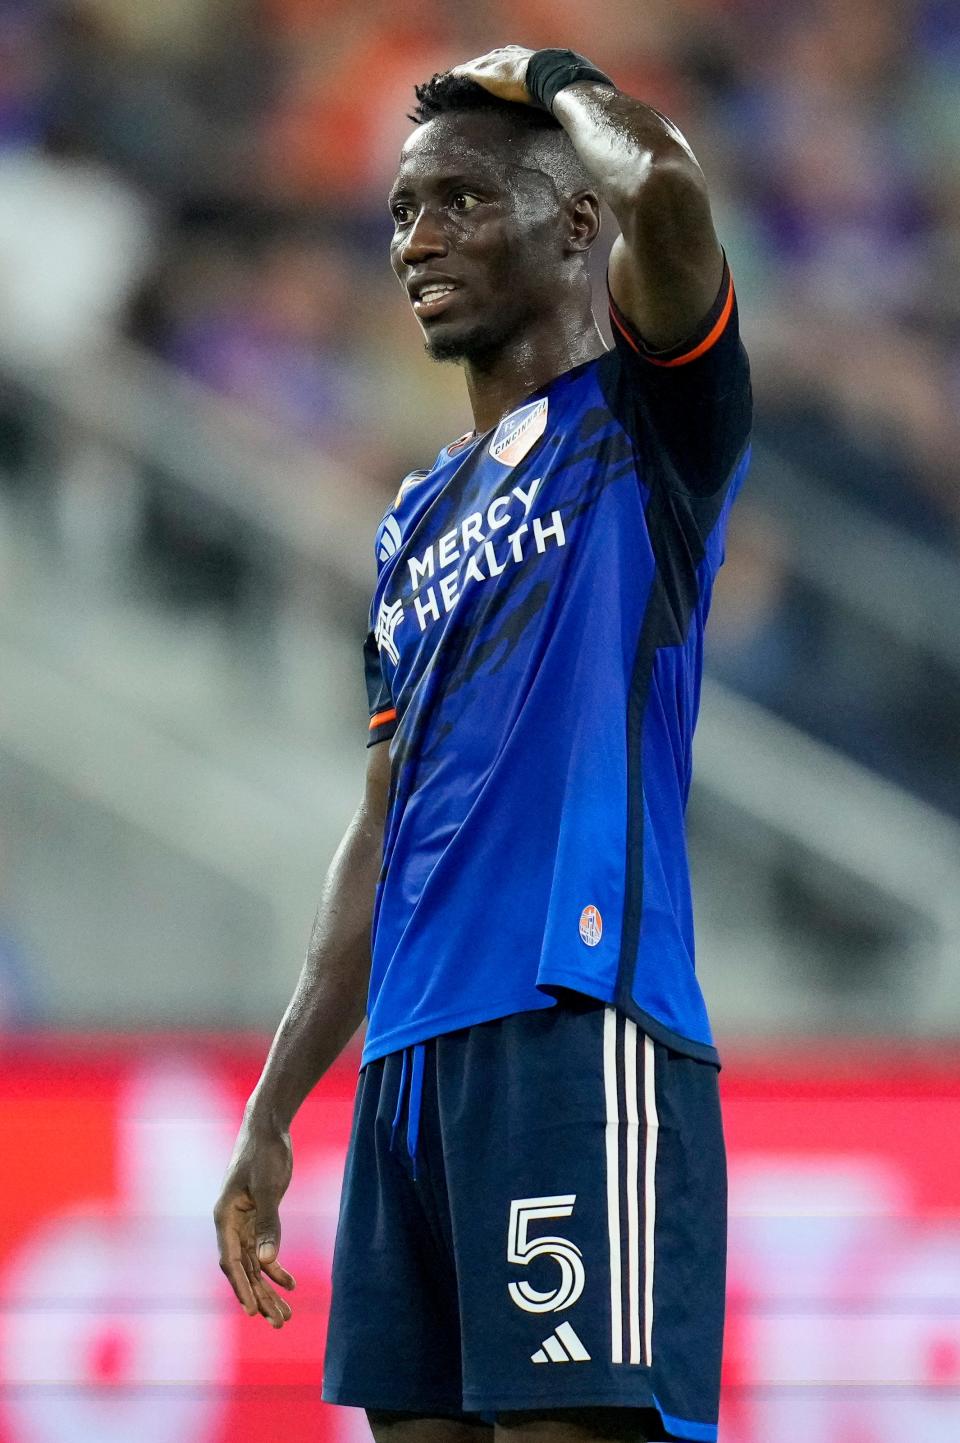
{"x": 432, "y": 298}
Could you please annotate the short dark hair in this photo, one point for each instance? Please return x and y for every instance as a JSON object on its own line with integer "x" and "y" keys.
{"x": 447, "y": 94}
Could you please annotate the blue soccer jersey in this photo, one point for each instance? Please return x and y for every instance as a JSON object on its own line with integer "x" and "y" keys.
{"x": 534, "y": 659}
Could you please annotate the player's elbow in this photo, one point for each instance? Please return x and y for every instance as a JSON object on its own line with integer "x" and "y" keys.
{"x": 664, "y": 190}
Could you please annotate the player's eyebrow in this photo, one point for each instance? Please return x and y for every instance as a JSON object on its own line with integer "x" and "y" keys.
{"x": 407, "y": 190}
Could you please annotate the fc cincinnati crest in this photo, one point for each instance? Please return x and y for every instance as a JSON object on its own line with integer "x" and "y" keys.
{"x": 517, "y": 432}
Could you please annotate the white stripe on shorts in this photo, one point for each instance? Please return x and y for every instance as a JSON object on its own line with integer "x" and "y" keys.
{"x": 633, "y": 1186}
{"x": 625, "y": 1161}
{"x": 613, "y": 1178}
{"x": 652, "y": 1124}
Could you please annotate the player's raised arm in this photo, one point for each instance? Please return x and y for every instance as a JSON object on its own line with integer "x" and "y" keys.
{"x": 666, "y": 265}
{"x": 325, "y": 1011}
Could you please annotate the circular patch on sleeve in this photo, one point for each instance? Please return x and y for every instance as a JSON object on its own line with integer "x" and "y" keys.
{"x": 591, "y": 926}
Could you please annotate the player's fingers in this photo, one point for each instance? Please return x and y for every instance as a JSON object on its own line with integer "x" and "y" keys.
{"x": 233, "y": 1225}
{"x": 472, "y": 64}
{"x": 278, "y": 1274}
{"x": 235, "y": 1273}
{"x": 501, "y": 73}
{"x": 274, "y": 1308}
{"x": 484, "y": 65}
{"x": 268, "y": 1234}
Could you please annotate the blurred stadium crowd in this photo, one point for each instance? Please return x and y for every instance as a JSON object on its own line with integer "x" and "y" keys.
{"x": 192, "y": 192}
{"x": 207, "y": 177}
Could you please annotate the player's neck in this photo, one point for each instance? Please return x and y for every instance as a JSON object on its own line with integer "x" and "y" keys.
{"x": 525, "y": 364}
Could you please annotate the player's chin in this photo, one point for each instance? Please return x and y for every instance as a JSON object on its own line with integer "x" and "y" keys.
{"x": 441, "y": 347}
{"x": 458, "y": 341}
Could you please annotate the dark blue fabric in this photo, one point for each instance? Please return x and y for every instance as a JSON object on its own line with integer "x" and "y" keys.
{"x": 537, "y": 628}
{"x": 402, "y": 1094}
{"x": 422, "y": 1318}
{"x": 409, "y": 1095}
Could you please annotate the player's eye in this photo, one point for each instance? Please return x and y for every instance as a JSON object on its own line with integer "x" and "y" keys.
{"x": 401, "y": 213}
{"x": 462, "y": 200}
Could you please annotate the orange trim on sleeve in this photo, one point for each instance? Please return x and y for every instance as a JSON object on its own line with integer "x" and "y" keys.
{"x": 381, "y": 717}
{"x": 709, "y": 340}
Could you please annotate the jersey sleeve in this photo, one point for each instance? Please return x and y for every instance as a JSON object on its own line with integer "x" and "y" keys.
{"x": 689, "y": 407}
{"x": 383, "y": 713}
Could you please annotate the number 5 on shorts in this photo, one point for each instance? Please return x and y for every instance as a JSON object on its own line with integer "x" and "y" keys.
{"x": 522, "y": 1250}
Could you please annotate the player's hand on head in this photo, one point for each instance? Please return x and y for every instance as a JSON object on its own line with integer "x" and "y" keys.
{"x": 502, "y": 72}
{"x": 247, "y": 1219}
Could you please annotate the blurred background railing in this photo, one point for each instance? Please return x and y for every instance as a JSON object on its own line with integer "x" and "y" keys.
{"x": 185, "y": 747}
{"x": 192, "y": 746}
{"x": 209, "y": 389}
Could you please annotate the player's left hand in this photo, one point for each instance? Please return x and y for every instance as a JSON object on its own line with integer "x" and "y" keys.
{"x": 502, "y": 72}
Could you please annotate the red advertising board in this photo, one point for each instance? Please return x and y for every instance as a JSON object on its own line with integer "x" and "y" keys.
{"x": 117, "y": 1326}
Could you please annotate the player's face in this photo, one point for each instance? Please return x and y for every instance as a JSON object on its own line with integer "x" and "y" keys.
{"x": 477, "y": 238}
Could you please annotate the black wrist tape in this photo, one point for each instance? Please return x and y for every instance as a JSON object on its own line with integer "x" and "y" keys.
{"x": 549, "y": 71}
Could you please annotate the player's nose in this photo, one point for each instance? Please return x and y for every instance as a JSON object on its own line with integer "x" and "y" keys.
{"x": 424, "y": 239}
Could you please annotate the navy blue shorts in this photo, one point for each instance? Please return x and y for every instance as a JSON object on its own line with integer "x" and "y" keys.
{"x": 533, "y": 1217}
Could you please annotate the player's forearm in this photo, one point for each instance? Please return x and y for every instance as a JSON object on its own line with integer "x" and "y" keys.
{"x": 329, "y": 1002}
{"x": 666, "y": 267}
{"x": 640, "y": 162}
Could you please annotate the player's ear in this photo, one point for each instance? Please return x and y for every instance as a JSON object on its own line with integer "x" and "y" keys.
{"x": 583, "y": 220}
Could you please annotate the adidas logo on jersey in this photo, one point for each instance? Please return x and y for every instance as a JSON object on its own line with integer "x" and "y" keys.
{"x": 562, "y": 1346}
{"x": 389, "y": 538}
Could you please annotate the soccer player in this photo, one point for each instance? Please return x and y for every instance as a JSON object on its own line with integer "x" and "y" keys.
{"x": 532, "y": 1229}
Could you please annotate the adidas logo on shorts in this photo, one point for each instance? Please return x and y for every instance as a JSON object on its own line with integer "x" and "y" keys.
{"x": 562, "y": 1346}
